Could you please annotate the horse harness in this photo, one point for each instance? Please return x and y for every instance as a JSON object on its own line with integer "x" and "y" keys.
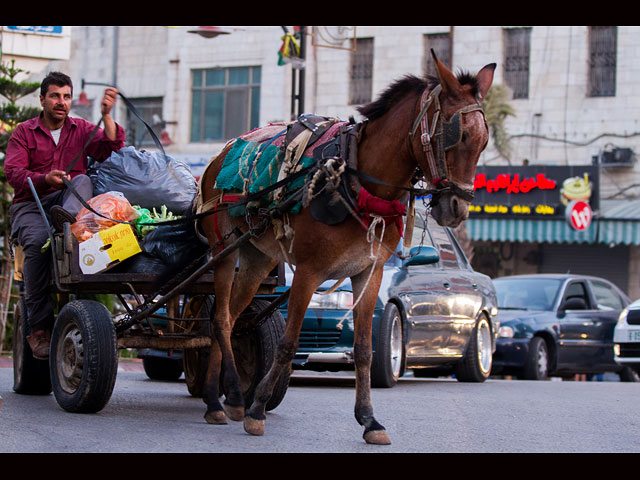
{"x": 332, "y": 190}
{"x": 447, "y": 134}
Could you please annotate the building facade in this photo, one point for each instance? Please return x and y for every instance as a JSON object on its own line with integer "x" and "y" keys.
{"x": 574, "y": 92}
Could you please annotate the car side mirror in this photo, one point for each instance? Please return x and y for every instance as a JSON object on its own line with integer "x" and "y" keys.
{"x": 422, "y": 255}
{"x": 573, "y": 304}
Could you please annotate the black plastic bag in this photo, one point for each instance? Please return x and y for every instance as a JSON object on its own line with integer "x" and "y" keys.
{"x": 167, "y": 248}
{"x": 147, "y": 179}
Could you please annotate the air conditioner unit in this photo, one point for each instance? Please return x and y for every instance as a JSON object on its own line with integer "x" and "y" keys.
{"x": 617, "y": 157}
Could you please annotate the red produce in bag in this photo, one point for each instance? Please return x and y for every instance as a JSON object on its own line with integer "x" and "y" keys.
{"x": 112, "y": 205}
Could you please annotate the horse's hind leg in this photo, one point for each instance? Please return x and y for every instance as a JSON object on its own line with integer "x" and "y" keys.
{"x": 362, "y": 347}
{"x": 231, "y": 300}
{"x": 221, "y": 357}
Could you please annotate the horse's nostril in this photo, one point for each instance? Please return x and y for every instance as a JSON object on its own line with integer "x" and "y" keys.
{"x": 454, "y": 206}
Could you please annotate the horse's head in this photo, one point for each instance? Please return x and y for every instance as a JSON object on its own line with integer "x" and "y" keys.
{"x": 454, "y": 133}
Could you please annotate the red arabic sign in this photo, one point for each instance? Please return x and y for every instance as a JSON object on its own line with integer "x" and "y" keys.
{"x": 533, "y": 191}
{"x": 513, "y": 184}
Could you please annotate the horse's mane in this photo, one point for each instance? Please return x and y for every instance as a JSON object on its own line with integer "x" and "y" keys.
{"x": 405, "y": 86}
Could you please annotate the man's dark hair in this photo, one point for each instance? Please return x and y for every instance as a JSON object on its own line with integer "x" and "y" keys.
{"x": 58, "y": 79}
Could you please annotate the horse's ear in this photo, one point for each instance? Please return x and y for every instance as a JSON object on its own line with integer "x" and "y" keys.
{"x": 485, "y": 79}
{"x": 448, "y": 81}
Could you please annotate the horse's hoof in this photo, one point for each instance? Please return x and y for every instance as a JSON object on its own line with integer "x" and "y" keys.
{"x": 377, "y": 437}
{"x": 253, "y": 426}
{"x": 234, "y": 413}
{"x": 216, "y": 417}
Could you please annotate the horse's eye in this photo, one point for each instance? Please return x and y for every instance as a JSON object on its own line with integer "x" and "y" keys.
{"x": 464, "y": 136}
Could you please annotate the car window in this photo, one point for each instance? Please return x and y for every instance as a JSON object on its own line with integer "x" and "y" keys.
{"x": 577, "y": 290}
{"x": 448, "y": 257}
{"x": 606, "y": 296}
{"x": 421, "y": 236}
{"x": 462, "y": 258}
{"x": 526, "y": 293}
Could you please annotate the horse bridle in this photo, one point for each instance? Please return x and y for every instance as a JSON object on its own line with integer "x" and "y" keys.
{"x": 447, "y": 135}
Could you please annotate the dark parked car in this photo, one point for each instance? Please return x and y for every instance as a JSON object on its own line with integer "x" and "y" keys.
{"x": 434, "y": 315}
{"x": 557, "y": 325}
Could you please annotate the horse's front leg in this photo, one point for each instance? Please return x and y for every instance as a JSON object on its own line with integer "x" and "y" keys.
{"x": 374, "y": 432}
{"x": 302, "y": 289}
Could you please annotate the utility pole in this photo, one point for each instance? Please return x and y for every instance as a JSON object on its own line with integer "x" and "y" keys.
{"x": 298, "y": 74}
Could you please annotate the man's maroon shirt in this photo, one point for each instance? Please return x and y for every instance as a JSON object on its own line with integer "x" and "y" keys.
{"x": 32, "y": 153}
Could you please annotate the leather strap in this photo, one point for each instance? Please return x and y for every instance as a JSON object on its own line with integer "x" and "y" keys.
{"x": 438, "y": 166}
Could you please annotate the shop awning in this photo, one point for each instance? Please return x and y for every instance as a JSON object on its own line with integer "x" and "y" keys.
{"x": 617, "y": 222}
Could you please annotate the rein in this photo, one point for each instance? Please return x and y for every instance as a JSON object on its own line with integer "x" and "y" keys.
{"x": 153, "y": 135}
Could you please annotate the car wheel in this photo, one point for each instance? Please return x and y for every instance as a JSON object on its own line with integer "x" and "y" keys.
{"x": 164, "y": 369}
{"x": 476, "y": 364}
{"x": 537, "y": 364}
{"x": 388, "y": 360}
{"x": 628, "y": 374}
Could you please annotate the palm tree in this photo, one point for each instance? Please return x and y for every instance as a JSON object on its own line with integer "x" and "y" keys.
{"x": 496, "y": 110}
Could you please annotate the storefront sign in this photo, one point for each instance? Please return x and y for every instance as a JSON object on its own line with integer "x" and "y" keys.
{"x": 533, "y": 191}
{"x": 55, "y": 30}
{"x": 578, "y": 214}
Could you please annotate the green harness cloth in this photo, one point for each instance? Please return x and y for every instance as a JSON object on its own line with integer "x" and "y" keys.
{"x": 238, "y": 167}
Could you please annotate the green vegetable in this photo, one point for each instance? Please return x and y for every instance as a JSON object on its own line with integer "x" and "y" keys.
{"x": 152, "y": 217}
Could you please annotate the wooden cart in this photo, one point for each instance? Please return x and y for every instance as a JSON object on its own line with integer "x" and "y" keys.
{"x": 86, "y": 336}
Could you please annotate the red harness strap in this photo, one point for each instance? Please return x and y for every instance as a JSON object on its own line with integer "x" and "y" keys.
{"x": 370, "y": 204}
{"x": 222, "y": 200}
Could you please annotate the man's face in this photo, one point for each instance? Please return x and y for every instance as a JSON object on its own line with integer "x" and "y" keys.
{"x": 57, "y": 102}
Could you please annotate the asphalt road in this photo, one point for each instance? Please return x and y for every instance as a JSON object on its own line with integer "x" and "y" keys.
{"x": 316, "y": 416}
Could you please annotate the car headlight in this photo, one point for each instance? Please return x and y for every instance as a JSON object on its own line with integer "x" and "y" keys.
{"x": 622, "y": 318}
{"x": 336, "y": 300}
{"x": 506, "y": 331}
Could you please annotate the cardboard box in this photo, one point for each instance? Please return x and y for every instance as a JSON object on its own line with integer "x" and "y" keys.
{"x": 107, "y": 248}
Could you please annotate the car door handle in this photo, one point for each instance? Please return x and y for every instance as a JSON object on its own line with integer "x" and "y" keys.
{"x": 475, "y": 286}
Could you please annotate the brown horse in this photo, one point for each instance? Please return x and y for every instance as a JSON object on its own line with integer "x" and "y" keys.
{"x": 391, "y": 148}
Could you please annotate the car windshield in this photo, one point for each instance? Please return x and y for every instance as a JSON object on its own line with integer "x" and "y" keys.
{"x": 526, "y": 293}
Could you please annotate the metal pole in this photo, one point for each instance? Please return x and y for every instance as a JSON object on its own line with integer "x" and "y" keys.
{"x": 301, "y": 83}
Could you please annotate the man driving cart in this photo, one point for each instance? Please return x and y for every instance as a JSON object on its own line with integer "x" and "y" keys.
{"x": 43, "y": 149}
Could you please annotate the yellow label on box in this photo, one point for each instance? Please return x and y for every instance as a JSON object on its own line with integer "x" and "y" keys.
{"x": 107, "y": 248}
{"x": 123, "y": 241}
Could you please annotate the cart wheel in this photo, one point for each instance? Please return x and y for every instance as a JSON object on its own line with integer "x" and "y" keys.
{"x": 255, "y": 350}
{"x": 194, "y": 360}
{"x": 84, "y": 357}
{"x": 30, "y": 376}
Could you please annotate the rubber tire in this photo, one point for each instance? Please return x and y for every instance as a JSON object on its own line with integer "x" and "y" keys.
{"x": 628, "y": 374}
{"x": 260, "y": 347}
{"x": 87, "y": 326}
{"x": 254, "y": 354}
{"x": 471, "y": 368}
{"x": 532, "y": 369}
{"x": 195, "y": 360}
{"x": 389, "y": 339}
{"x": 163, "y": 369}
{"x": 30, "y": 376}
